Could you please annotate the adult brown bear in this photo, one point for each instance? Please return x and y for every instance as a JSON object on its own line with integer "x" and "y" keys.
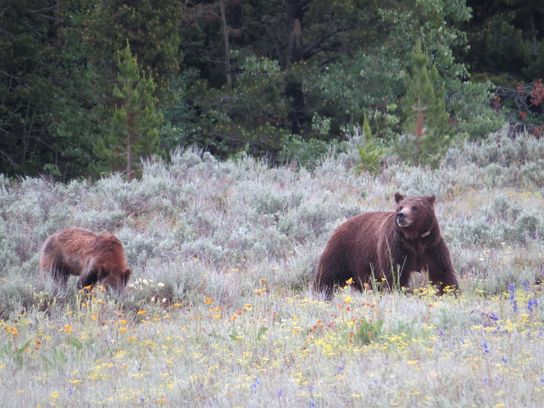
{"x": 387, "y": 246}
{"x": 93, "y": 257}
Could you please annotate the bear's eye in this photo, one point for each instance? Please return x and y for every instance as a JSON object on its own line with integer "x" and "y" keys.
{"x": 400, "y": 208}
{"x": 414, "y": 208}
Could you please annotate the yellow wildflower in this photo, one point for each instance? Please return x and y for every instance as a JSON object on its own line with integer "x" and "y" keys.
{"x": 260, "y": 291}
{"x": 12, "y": 330}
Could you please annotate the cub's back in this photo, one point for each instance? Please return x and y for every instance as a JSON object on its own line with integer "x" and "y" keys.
{"x": 67, "y": 246}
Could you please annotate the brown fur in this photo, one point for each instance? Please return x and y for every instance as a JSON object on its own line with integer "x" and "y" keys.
{"x": 92, "y": 257}
{"x": 365, "y": 245}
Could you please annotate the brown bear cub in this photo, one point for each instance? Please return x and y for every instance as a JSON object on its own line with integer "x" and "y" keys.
{"x": 93, "y": 257}
{"x": 388, "y": 247}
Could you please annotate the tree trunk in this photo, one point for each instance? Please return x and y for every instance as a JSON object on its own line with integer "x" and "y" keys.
{"x": 419, "y": 109}
{"x": 130, "y": 138}
{"x": 298, "y": 114}
{"x": 206, "y": 12}
{"x": 226, "y": 41}
{"x": 532, "y": 30}
{"x": 129, "y": 158}
{"x": 294, "y": 42}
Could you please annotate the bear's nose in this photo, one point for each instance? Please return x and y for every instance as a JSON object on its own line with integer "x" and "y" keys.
{"x": 400, "y": 216}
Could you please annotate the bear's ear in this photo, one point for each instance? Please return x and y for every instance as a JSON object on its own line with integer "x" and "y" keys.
{"x": 398, "y": 197}
{"x": 431, "y": 199}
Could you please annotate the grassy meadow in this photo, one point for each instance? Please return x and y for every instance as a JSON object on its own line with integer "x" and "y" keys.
{"x": 219, "y": 312}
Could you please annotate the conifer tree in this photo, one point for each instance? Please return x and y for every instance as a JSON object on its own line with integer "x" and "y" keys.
{"x": 423, "y": 106}
{"x": 136, "y": 120}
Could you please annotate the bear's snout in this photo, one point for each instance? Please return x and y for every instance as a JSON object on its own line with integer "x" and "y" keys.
{"x": 402, "y": 219}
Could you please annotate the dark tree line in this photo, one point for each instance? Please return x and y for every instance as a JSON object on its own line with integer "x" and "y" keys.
{"x": 87, "y": 86}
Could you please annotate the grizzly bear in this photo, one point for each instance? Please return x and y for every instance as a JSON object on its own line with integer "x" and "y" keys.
{"x": 92, "y": 257}
{"x": 386, "y": 247}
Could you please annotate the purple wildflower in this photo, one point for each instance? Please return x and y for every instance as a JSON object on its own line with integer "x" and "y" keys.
{"x": 512, "y": 297}
{"x": 532, "y": 304}
{"x": 254, "y": 385}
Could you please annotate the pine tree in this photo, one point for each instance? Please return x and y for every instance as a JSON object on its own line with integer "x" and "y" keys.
{"x": 136, "y": 121}
{"x": 151, "y": 27}
{"x": 423, "y": 106}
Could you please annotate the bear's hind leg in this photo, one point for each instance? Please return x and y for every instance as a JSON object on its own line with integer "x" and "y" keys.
{"x": 60, "y": 276}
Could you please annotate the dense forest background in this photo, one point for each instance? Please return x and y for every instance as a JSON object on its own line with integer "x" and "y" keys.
{"x": 88, "y": 87}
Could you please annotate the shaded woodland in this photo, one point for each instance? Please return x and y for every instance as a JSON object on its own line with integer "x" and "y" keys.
{"x": 88, "y": 87}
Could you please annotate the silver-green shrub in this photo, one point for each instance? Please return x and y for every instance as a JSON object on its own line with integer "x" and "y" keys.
{"x": 188, "y": 222}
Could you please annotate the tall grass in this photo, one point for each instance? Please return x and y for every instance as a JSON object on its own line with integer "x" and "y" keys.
{"x": 219, "y": 313}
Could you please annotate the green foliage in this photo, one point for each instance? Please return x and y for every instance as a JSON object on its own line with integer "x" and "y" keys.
{"x": 474, "y": 117}
{"x": 367, "y": 331}
{"x": 339, "y": 86}
{"x": 299, "y": 72}
{"x": 136, "y": 121}
{"x": 426, "y": 152}
{"x": 251, "y": 115}
{"x": 371, "y": 152}
{"x": 181, "y": 123}
{"x": 321, "y": 125}
{"x": 324, "y": 67}
{"x": 424, "y": 111}
{"x": 151, "y": 28}
{"x": 304, "y": 152}
{"x": 57, "y": 69}
{"x": 425, "y": 98}
{"x": 506, "y": 40}
{"x": 27, "y": 61}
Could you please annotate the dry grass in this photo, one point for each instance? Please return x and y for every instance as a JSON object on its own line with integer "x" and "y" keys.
{"x": 219, "y": 312}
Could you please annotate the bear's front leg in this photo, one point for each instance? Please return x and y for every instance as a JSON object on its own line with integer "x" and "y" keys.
{"x": 89, "y": 276}
{"x": 441, "y": 272}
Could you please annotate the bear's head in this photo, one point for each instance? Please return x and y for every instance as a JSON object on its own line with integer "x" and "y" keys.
{"x": 111, "y": 263}
{"x": 116, "y": 279}
{"x": 414, "y": 215}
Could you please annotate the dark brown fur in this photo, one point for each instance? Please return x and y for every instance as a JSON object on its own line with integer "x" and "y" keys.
{"x": 364, "y": 246}
{"x": 92, "y": 257}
